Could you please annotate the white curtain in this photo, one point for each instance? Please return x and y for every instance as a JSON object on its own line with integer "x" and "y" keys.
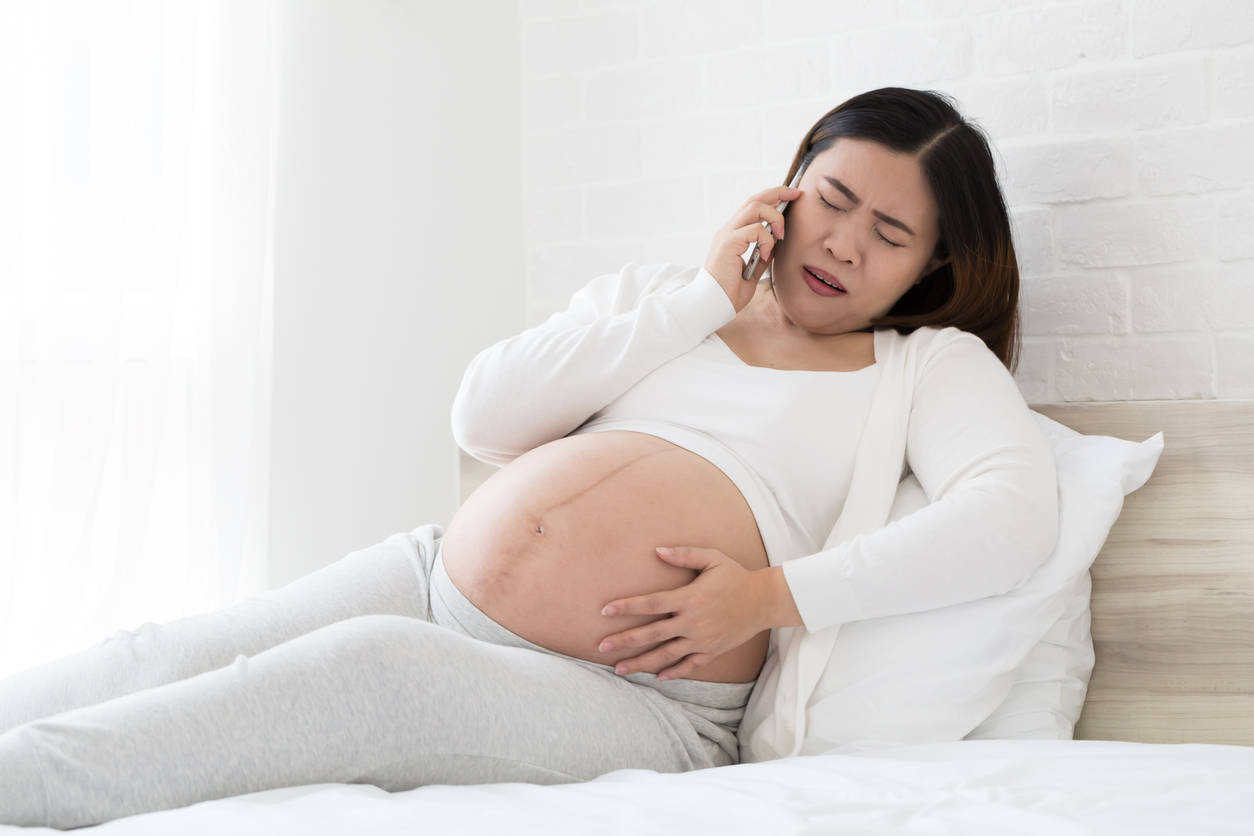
{"x": 136, "y": 194}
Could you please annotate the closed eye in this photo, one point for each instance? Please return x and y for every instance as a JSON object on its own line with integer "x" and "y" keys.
{"x": 877, "y": 232}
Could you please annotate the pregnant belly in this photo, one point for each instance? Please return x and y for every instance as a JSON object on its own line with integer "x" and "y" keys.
{"x": 564, "y": 528}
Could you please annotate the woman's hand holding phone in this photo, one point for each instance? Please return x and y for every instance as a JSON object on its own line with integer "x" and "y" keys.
{"x": 725, "y": 261}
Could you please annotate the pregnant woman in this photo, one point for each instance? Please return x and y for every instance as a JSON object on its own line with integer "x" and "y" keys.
{"x": 666, "y": 407}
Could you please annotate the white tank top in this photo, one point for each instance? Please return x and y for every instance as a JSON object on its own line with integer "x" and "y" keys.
{"x": 786, "y": 438}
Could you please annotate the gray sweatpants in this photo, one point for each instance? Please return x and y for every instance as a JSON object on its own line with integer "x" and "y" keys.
{"x": 373, "y": 670}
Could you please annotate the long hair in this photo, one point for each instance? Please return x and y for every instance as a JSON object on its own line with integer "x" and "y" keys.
{"x": 978, "y": 289}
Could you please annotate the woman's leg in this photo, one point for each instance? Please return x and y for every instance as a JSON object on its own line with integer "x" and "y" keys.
{"x": 388, "y": 578}
{"x": 381, "y": 699}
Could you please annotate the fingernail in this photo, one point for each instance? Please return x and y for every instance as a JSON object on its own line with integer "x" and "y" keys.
{"x": 608, "y": 610}
{"x": 620, "y": 669}
{"x": 606, "y": 646}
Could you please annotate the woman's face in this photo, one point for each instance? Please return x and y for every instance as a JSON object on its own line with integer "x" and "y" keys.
{"x": 875, "y": 259}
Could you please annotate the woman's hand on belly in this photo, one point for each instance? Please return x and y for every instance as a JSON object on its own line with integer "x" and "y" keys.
{"x": 723, "y": 607}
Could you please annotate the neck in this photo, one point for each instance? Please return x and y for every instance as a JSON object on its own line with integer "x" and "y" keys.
{"x": 774, "y": 321}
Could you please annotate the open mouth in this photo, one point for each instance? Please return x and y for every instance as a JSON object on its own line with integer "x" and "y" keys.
{"x": 821, "y": 286}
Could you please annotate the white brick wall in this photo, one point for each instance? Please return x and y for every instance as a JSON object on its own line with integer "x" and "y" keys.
{"x": 1121, "y": 130}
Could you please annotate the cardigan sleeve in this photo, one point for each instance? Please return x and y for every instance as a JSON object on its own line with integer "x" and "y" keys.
{"x": 992, "y": 518}
{"x": 545, "y": 382}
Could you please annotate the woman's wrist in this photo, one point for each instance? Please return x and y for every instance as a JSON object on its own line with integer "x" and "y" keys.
{"x": 781, "y": 609}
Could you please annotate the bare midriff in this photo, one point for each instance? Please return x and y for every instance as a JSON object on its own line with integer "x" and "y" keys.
{"x": 563, "y": 529}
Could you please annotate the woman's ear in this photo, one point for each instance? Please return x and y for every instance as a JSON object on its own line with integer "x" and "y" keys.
{"x": 933, "y": 264}
{"x": 937, "y": 261}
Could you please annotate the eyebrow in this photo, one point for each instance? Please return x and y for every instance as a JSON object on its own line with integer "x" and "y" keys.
{"x": 856, "y": 200}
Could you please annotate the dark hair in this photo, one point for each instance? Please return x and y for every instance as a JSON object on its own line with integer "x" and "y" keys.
{"x": 978, "y": 289}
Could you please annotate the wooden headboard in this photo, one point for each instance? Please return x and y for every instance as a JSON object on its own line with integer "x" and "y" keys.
{"x": 1173, "y": 587}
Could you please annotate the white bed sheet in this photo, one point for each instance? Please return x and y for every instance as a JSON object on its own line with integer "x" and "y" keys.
{"x": 978, "y": 786}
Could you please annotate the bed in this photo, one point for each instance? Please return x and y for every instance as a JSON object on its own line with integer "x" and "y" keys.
{"x": 1164, "y": 743}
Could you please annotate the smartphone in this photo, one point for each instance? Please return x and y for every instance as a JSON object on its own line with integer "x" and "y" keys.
{"x": 754, "y": 255}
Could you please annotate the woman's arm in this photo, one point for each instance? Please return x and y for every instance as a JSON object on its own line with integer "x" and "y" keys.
{"x": 543, "y": 383}
{"x": 992, "y": 520}
{"x": 781, "y": 609}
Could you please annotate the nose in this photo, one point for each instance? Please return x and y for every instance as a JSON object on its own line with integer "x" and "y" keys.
{"x": 842, "y": 243}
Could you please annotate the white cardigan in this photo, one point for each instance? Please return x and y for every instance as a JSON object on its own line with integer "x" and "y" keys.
{"x": 944, "y": 408}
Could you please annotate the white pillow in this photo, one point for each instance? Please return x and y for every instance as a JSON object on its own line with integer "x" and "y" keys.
{"x": 1095, "y": 473}
{"x": 1012, "y": 665}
